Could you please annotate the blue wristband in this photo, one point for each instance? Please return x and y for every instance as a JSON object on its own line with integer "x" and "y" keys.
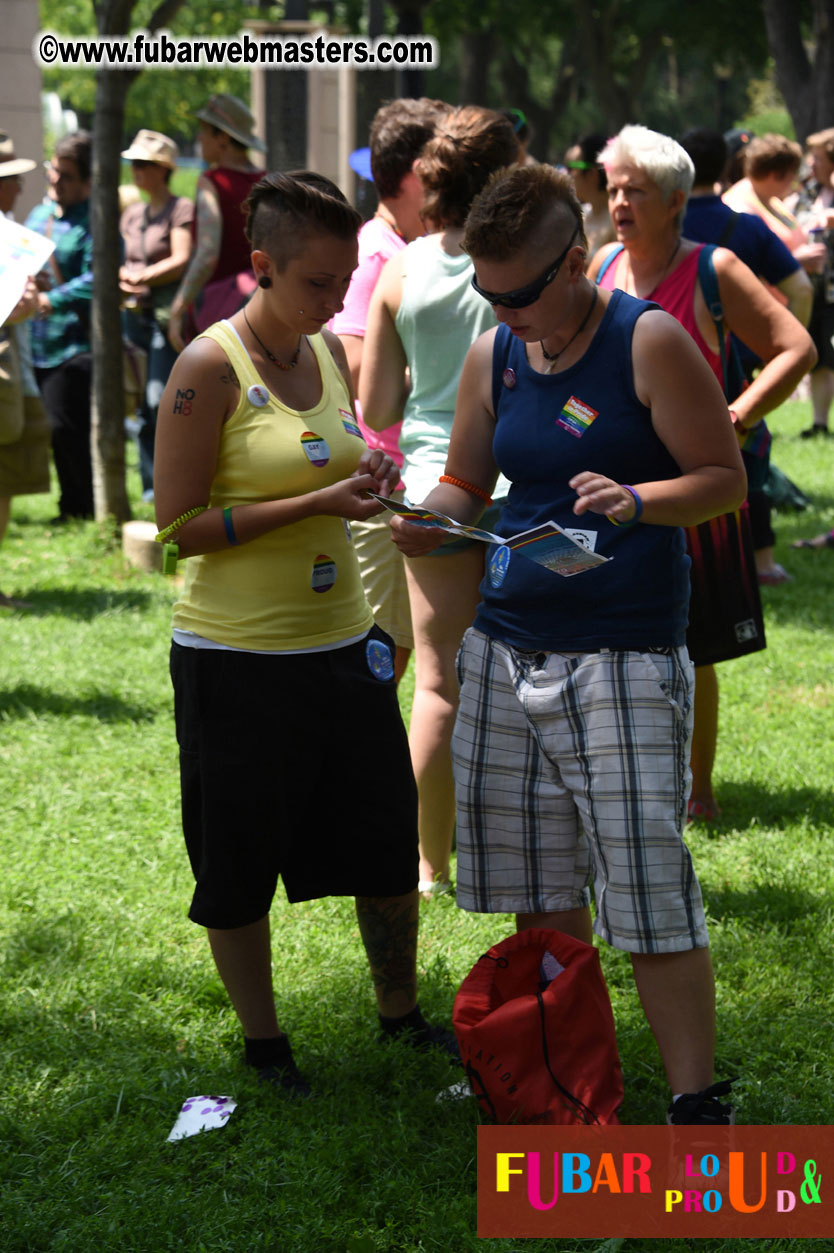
{"x": 638, "y": 509}
{"x": 229, "y": 525}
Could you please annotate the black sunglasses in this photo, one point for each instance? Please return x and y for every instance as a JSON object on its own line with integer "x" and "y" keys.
{"x": 529, "y": 294}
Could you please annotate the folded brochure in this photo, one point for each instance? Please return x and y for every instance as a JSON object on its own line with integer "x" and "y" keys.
{"x": 549, "y": 545}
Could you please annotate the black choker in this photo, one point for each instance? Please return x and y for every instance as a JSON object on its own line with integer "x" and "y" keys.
{"x": 551, "y": 357}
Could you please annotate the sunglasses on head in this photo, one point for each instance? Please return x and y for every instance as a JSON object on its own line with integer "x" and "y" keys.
{"x": 529, "y": 294}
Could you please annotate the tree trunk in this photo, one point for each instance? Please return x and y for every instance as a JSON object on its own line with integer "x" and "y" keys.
{"x": 823, "y": 113}
{"x": 108, "y": 440}
{"x": 410, "y": 80}
{"x": 515, "y": 82}
{"x": 107, "y": 409}
{"x": 476, "y": 49}
{"x": 808, "y": 86}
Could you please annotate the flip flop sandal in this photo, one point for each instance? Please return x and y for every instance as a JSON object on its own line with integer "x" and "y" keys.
{"x": 698, "y": 812}
{"x": 827, "y": 542}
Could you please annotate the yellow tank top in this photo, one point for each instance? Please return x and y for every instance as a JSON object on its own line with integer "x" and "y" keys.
{"x": 297, "y": 586}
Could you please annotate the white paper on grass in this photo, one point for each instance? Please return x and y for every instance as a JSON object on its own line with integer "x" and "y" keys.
{"x": 23, "y": 253}
{"x": 202, "y": 1113}
{"x": 457, "y": 1092}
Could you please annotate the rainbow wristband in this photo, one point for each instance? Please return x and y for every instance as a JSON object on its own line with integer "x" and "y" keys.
{"x": 229, "y": 525}
{"x": 638, "y": 509}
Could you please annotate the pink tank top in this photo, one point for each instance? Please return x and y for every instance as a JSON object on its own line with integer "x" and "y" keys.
{"x": 676, "y": 294}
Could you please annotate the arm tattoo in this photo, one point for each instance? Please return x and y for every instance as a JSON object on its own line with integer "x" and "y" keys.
{"x": 204, "y": 258}
{"x": 183, "y": 401}
{"x": 230, "y": 376}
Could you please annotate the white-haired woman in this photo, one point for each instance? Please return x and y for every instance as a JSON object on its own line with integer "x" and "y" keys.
{"x": 649, "y": 179}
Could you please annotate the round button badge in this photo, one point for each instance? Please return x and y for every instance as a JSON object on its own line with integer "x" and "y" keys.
{"x": 316, "y": 449}
{"x": 324, "y": 573}
{"x": 257, "y": 395}
{"x": 498, "y": 564}
{"x": 380, "y": 661}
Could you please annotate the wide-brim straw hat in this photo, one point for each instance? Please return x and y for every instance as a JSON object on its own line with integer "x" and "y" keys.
{"x": 230, "y": 115}
{"x": 153, "y": 146}
{"x": 9, "y": 163}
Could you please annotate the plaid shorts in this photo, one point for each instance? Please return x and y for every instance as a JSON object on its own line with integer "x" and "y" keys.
{"x": 568, "y": 763}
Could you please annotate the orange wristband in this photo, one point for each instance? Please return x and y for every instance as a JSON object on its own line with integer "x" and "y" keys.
{"x": 467, "y": 487}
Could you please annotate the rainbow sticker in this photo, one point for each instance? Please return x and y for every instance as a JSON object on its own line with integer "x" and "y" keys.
{"x": 380, "y": 661}
{"x": 576, "y": 417}
{"x": 316, "y": 449}
{"x": 324, "y": 573}
{"x": 349, "y": 423}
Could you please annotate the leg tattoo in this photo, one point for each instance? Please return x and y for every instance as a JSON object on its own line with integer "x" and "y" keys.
{"x": 388, "y": 926}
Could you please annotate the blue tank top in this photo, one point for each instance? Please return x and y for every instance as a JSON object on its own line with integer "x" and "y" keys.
{"x": 549, "y": 428}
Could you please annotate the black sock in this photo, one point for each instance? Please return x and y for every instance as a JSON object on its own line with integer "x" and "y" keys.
{"x": 413, "y": 1021}
{"x": 274, "y": 1051}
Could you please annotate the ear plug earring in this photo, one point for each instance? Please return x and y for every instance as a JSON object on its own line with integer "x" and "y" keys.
{"x": 264, "y": 281}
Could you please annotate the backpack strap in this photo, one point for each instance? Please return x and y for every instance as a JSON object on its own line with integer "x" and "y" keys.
{"x": 708, "y": 281}
{"x": 612, "y": 256}
{"x": 731, "y": 369}
{"x": 729, "y": 230}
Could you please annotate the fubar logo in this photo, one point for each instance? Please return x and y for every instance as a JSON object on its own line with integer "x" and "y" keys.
{"x": 657, "y": 1182}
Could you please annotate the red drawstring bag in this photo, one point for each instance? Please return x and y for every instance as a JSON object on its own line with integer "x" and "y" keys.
{"x": 536, "y": 1032}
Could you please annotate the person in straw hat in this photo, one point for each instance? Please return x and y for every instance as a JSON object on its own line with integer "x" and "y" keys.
{"x": 24, "y": 431}
{"x": 219, "y": 279}
{"x": 158, "y": 242}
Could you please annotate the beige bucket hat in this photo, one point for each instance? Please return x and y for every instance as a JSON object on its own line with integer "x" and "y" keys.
{"x": 230, "y": 115}
{"x": 153, "y": 146}
{"x": 9, "y": 163}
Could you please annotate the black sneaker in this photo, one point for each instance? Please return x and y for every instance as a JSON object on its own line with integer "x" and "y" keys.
{"x": 439, "y": 1038}
{"x": 703, "y": 1108}
{"x": 282, "y": 1072}
{"x": 811, "y": 432}
{"x": 423, "y": 1037}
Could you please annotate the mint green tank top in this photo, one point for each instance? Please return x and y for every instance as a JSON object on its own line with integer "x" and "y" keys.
{"x": 439, "y": 318}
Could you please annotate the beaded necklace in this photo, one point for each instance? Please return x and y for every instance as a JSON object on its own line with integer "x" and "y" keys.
{"x": 275, "y": 361}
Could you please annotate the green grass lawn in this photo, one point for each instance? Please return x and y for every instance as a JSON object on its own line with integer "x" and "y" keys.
{"x": 111, "y": 1014}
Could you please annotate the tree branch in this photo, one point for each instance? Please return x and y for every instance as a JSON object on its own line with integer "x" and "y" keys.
{"x": 164, "y": 13}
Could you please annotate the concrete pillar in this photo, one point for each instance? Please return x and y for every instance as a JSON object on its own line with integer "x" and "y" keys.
{"x": 20, "y": 95}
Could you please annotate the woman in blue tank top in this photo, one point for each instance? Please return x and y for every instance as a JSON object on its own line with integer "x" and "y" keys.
{"x": 570, "y": 749}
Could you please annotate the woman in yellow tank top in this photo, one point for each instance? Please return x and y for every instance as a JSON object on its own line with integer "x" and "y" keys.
{"x": 284, "y": 690}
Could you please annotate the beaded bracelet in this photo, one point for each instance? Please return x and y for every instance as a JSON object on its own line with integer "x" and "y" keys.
{"x": 467, "y": 487}
{"x": 638, "y": 509}
{"x": 163, "y": 535}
